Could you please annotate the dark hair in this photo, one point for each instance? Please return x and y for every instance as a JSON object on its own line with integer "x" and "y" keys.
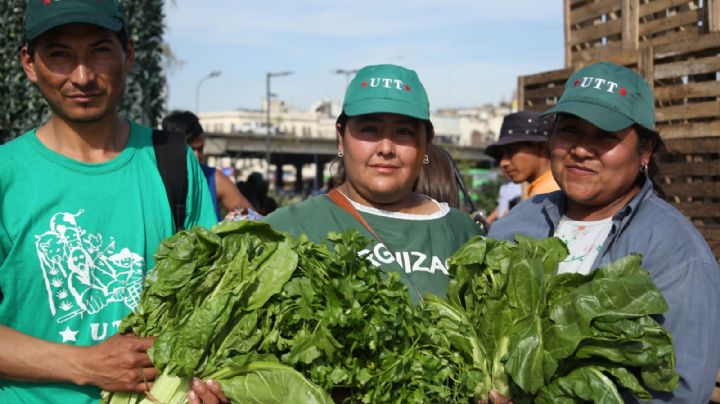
{"x": 122, "y": 36}
{"x": 437, "y": 178}
{"x": 184, "y": 122}
{"x": 645, "y": 137}
{"x": 338, "y": 166}
{"x": 255, "y": 189}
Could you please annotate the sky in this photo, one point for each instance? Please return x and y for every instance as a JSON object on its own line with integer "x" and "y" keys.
{"x": 467, "y": 52}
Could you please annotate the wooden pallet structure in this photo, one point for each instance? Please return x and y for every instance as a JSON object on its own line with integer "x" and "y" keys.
{"x": 675, "y": 45}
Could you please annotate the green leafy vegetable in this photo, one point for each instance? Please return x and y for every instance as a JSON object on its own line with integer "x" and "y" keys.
{"x": 539, "y": 336}
{"x": 279, "y": 319}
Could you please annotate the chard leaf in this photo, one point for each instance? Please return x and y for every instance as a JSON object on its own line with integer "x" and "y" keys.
{"x": 270, "y": 276}
{"x": 585, "y": 384}
{"x": 270, "y": 383}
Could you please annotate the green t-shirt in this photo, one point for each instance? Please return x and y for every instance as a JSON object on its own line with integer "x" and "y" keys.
{"x": 76, "y": 241}
{"x": 417, "y": 245}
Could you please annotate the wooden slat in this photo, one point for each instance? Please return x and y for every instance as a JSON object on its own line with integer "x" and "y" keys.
{"x": 660, "y": 5}
{"x": 667, "y": 23}
{"x": 688, "y": 34}
{"x": 691, "y": 169}
{"x": 646, "y": 65}
{"x": 712, "y": 20}
{"x": 544, "y": 92}
{"x": 710, "y": 232}
{"x": 545, "y": 77}
{"x": 699, "y": 209}
{"x": 595, "y": 32}
{"x": 537, "y": 107}
{"x": 688, "y": 111}
{"x": 700, "y": 189}
{"x": 689, "y": 90}
{"x": 599, "y": 52}
{"x": 706, "y": 145}
{"x": 689, "y": 130}
{"x": 630, "y": 32}
{"x": 701, "y": 42}
{"x": 687, "y": 67}
{"x": 593, "y": 10}
{"x": 521, "y": 90}
{"x": 715, "y": 247}
{"x": 567, "y": 31}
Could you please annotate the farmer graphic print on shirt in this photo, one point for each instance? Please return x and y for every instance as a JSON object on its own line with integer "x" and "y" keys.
{"x": 82, "y": 274}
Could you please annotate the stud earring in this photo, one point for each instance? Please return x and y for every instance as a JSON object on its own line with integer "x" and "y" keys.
{"x": 341, "y": 153}
{"x": 426, "y": 159}
{"x": 644, "y": 168}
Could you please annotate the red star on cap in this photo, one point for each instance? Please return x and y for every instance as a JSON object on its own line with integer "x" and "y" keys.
{"x": 363, "y": 84}
{"x": 407, "y": 87}
{"x": 623, "y": 92}
{"x": 47, "y": 2}
{"x": 576, "y": 83}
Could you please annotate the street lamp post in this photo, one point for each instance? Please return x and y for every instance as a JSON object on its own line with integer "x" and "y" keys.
{"x": 212, "y": 74}
{"x": 347, "y": 73}
{"x": 268, "y": 94}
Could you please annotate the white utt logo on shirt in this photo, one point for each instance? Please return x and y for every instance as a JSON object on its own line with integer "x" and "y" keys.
{"x": 81, "y": 275}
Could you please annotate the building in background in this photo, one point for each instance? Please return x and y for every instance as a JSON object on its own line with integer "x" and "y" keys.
{"x": 474, "y": 127}
{"x": 464, "y": 127}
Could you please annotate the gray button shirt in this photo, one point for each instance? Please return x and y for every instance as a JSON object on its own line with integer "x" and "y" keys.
{"x": 679, "y": 261}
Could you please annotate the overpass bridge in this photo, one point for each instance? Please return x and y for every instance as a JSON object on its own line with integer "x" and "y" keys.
{"x": 299, "y": 151}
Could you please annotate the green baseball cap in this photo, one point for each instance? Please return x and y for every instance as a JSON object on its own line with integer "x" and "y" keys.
{"x": 386, "y": 89}
{"x": 44, "y": 15}
{"x": 609, "y": 96}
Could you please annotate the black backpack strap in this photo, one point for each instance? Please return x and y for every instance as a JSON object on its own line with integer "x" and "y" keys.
{"x": 171, "y": 156}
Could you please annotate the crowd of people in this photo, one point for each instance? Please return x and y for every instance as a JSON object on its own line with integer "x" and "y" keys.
{"x": 74, "y": 251}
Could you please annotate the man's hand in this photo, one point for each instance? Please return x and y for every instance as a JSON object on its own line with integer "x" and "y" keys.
{"x": 206, "y": 393}
{"x": 120, "y": 363}
{"x": 496, "y": 398}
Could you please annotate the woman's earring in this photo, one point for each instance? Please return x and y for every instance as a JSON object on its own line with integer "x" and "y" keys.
{"x": 341, "y": 153}
{"x": 644, "y": 169}
{"x": 426, "y": 159}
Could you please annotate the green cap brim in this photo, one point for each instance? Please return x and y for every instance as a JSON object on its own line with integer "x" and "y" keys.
{"x": 71, "y": 17}
{"x": 388, "y": 106}
{"x": 604, "y": 118}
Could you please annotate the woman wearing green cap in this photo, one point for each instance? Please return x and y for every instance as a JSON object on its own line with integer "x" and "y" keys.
{"x": 601, "y": 152}
{"x": 382, "y": 138}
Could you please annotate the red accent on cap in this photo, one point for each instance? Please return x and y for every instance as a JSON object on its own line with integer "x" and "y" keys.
{"x": 407, "y": 87}
{"x": 363, "y": 84}
{"x": 623, "y": 92}
{"x": 47, "y": 2}
{"x": 576, "y": 83}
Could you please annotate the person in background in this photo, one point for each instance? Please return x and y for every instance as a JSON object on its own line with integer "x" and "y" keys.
{"x": 256, "y": 190}
{"x": 509, "y": 194}
{"x": 437, "y": 178}
{"x": 522, "y": 151}
{"x": 223, "y": 191}
{"x": 602, "y": 155}
{"x": 75, "y": 249}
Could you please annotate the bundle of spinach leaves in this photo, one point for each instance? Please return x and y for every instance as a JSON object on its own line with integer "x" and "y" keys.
{"x": 279, "y": 319}
{"x": 542, "y": 337}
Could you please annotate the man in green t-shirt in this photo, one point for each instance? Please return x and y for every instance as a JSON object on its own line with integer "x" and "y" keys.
{"x": 83, "y": 209}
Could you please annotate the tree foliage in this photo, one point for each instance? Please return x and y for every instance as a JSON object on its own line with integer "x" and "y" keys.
{"x": 22, "y": 107}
